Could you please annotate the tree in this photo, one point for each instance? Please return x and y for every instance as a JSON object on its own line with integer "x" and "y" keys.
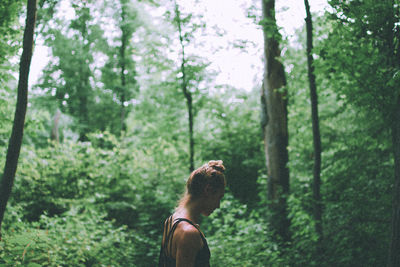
{"x": 10, "y": 41}
{"x": 119, "y": 73}
{"x": 367, "y": 66}
{"x": 274, "y": 123}
{"x": 14, "y": 145}
{"x": 229, "y": 131}
{"x": 191, "y": 72}
{"x": 185, "y": 90}
{"x": 317, "y": 205}
{"x": 69, "y": 77}
{"x": 10, "y": 30}
{"x": 8, "y": 14}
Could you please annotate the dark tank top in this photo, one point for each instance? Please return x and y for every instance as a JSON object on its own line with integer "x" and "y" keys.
{"x": 165, "y": 259}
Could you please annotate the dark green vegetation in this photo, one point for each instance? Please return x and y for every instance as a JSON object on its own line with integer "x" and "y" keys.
{"x": 106, "y": 146}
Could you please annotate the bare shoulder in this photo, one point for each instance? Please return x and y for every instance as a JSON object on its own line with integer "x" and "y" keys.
{"x": 187, "y": 235}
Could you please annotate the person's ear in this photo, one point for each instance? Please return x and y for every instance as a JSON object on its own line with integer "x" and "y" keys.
{"x": 208, "y": 190}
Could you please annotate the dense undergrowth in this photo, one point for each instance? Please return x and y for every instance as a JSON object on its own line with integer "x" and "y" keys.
{"x": 103, "y": 202}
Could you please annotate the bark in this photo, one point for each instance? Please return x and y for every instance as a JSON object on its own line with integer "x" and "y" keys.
{"x": 84, "y": 118}
{"x": 317, "y": 205}
{"x": 85, "y": 88}
{"x": 186, "y": 92}
{"x": 124, "y": 40}
{"x": 274, "y": 123}
{"x": 54, "y": 131}
{"x": 14, "y": 145}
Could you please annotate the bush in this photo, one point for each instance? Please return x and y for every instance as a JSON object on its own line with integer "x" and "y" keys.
{"x": 71, "y": 187}
{"x": 238, "y": 237}
{"x": 74, "y": 239}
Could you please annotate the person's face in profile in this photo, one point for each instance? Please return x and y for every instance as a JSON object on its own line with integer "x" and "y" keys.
{"x": 212, "y": 200}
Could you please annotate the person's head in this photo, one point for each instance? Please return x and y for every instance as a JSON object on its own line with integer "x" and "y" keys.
{"x": 208, "y": 184}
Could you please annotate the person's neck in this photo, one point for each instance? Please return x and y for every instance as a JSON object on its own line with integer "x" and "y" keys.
{"x": 190, "y": 209}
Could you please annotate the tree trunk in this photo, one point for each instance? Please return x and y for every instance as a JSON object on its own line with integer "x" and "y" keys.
{"x": 317, "y": 205}
{"x": 14, "y": 145}
{"x": 191, "y": 138}
{"x": 84, "y": 118}
{"x": 274, "y": 124}
{"x": 54, "y": 131}
{"x": 186, "y": 93}
{"x": 124, "y": 40}
{"x": 85, "y": 87}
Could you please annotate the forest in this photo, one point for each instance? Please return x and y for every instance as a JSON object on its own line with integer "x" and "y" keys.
{"x": 94, "y": 154}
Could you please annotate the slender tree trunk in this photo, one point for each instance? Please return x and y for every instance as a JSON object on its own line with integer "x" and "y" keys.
{"x": 191, "y": 138}
{"x": 54, "y": 131}
{"x": 317, "y": 205}
{"x": 186, "y": 93}
{"x": 84, "y": 84}
{"x": 14, "y": 145}
{"x": 84, "y": 118}
{"x": 123, "y": 75}
{"x": 274, "y": 124}
{"x": 394, "y": 250}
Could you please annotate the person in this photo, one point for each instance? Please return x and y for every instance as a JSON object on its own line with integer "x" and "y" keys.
{"x": 183, "y": 243}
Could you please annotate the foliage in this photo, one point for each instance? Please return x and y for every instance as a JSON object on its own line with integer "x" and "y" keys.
{"x": 68, "y": 177}
{"x": 11, "y": 36}
{"x": 70, "y": 77}
{"x": 119, "y": 72}
{"x": 227, "y": 137}
{"x": 364, "y": 73}
{"x": 356, "y": 151}
{"x": 241, "y": 235}
{"x": 372, "y": 37}
{"x": 78, "y": 238}
{"x": 102, "y": 202}
{"x": 6, "y": 112}
{"x": 9, "y": 29}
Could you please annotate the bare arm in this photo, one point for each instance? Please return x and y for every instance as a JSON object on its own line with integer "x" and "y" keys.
{"x": 188, "y": 243}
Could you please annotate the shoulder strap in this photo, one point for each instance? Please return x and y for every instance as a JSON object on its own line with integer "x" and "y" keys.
{"x": 167, "y": 233}
{"x": 170, "y": 235}
{"x": 162, "y": 261}
{"x": 178, "y": 220}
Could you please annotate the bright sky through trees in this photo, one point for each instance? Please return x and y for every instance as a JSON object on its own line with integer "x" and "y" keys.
{"x": 238, "y": 67}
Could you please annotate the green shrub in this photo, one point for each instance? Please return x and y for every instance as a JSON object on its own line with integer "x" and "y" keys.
{"x": 240, "y": 237}
{"x": 78, "y": 238}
